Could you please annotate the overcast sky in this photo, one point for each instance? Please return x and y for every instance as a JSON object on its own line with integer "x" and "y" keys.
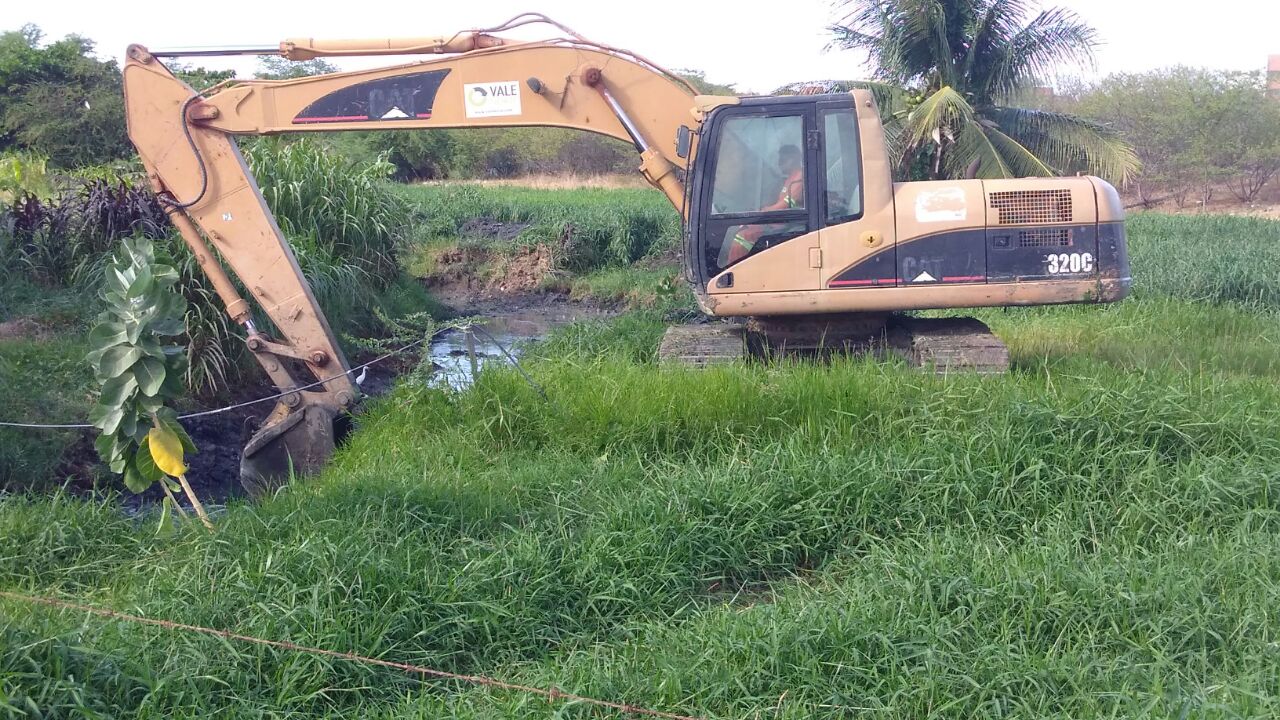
{"x": 758, "y": 46}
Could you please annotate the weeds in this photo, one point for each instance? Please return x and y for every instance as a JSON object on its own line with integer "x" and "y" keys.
{"x": 851, "y": 536}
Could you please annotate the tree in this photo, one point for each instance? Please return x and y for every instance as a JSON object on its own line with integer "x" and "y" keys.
{"x": 948, "y": 74}
{"x": 1194, "y": 129}
{"x": 199, "y": 78}
{"x": 273, "y": 67}
{"x": 698, "y": 79}
{"x": 60, "y": 101}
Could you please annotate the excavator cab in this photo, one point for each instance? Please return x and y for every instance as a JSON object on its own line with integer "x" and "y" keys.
{"x": 740, "y": 195}
{"x": 837, "y": 236}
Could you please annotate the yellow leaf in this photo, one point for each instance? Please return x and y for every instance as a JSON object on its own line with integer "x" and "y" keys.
{"x": 166, "y": 450}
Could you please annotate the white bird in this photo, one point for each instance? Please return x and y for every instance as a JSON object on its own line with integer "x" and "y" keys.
{"x": 364, "y": 371}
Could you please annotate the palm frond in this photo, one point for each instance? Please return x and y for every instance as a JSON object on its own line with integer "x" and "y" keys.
{"x": 997, "y": 154}
{"x": 1067, "y": 143}
{"x": 994, "y": 28}
{"x": 938, "y": 115}
{"x": 1054, "y": 37}
{"x": 905, "y": 40}
{"x": 973, "y": 144}
{"x": 889, "y": 97}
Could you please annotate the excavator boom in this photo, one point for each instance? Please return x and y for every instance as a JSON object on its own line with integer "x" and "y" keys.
{"x": 185, "y": 140}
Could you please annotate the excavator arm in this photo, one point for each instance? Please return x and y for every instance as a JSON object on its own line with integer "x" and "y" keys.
{"x": 184, "y": 139}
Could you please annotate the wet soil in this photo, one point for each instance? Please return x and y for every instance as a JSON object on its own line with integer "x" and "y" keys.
{"x": 490, "y": 229}
{"x": 466, "y": 278}
{"x": 214, "y": 470}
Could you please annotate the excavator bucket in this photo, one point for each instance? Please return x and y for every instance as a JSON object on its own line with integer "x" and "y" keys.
{"x": 292, "y": 441}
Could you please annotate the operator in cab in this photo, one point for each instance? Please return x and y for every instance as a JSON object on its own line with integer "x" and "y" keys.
{"x": 791, "y": 167}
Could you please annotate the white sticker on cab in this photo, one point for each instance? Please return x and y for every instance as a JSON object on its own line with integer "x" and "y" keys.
{"x": 941, "y": 205}
{"x": 495, "y": 99}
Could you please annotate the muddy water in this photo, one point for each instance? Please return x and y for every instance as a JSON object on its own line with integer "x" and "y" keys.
{"x": 509, "y": 330}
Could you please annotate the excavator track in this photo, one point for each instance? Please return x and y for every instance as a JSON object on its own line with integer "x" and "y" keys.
{"x": 949, "y": 345}
{"x": 703, "y": 344}
{"x": 938, "y": 345}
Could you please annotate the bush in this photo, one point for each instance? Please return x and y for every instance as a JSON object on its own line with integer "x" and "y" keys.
{"x": 59, "y": 239}
{"x": 1195, "y": 130}
{"x": 585, "y": 228}
{"x": 58, "y": 100}
{"x": 23, "y": 173}
{"x": 490, "y": 152}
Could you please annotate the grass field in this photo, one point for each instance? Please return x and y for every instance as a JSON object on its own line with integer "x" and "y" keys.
{"x": 1093, "y": 535}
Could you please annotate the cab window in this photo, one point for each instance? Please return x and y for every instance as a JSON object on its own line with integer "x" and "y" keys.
{"x": 842, "y": 158}
{"x": 759, "y": 157}
{"x": 758, "y": 196}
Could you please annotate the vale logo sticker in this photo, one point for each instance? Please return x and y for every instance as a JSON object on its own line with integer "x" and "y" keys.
{"x": 495, "y": 99}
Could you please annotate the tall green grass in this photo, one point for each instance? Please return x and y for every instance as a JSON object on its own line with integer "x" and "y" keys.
{"x": 1215, "y": 258}
{"x": 334, "y": 210}
{"x": 1070, "y": 540}
{"x": 1092, "y": 535}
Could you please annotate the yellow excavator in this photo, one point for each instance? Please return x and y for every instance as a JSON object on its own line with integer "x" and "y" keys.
{"x": 790, "y": 214}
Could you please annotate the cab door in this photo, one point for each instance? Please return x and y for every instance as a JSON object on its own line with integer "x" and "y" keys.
{"x": 755, "y": 211}
{"x": 858, "y": 229}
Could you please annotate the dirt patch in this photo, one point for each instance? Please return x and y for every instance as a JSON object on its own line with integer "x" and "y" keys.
{"x": 467, "y": 277}
{"x": 214, "y": 470}
{"x": 22, "y": 329}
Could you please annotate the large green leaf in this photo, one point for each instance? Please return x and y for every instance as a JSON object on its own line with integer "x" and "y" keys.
{"x": 133, "y": 328}
{"x": 118, "y": 389}
{"x": 129, "y": 423}
{"x": 165, "y": 276}
{"x": 134, "y": 480}
{"x": 146, "y": 464}
{"x": 106, "y": 418}
{"x": 105, "y": 334}
{"x": 117, "y": 360}
{"x": 150, "y": 374}
{"x": 108, "y": 447}
{"x": 142, "y": 284}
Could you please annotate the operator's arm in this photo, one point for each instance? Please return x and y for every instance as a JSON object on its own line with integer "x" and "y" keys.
{"x": 744, "y": 241}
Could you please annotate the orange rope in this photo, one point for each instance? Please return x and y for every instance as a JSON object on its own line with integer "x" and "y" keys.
{"x": 554, "y": 694}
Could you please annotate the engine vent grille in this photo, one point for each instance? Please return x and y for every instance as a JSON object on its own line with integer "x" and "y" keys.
{"x": 1055, "y": 237}
{"x": 1032, "y": 207}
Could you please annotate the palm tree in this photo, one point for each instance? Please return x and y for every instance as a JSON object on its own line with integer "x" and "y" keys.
{"x": 949, "y": 74}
